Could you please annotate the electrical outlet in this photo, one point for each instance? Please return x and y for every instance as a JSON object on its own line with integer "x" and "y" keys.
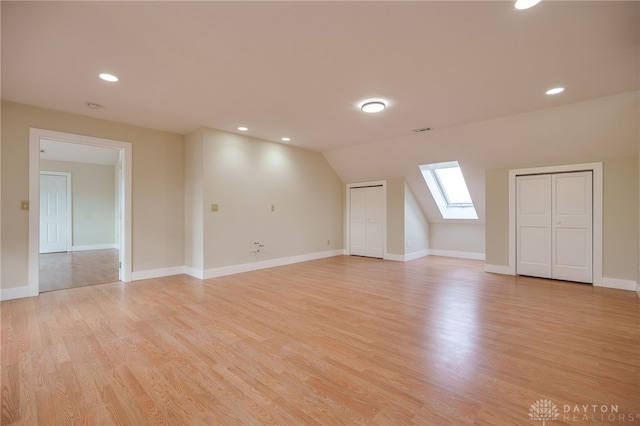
{"x": 328, "y": 242}
{"x": 214, "y": 207}
{"x": 273, "y": 207}
{"x": 24, "y": 205}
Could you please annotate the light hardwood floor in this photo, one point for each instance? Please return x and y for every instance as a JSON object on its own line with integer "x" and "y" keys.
{"x": 77, "y": 269}
{"x": 343, "y": 340}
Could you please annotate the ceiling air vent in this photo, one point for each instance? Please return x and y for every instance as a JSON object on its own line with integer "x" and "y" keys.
{"x": 424, "y": 129}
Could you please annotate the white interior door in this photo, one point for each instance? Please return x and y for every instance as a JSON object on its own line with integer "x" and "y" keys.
{"x": 54, "y": 213}
{"x": 572, "y": 226}
{"x": 367, "y": 221}
{"x": 533, "y": 225}
{"x": 555, "y": 226}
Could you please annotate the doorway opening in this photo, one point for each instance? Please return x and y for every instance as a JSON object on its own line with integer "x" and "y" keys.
{"x": 99, "y": 245}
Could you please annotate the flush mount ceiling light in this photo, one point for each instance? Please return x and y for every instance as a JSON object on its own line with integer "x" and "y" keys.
{"x": 555, "y": 91}
{"x": 243, "y": 129}
{"x": 372, "y": 106}
{"x": 525, "y": 4}
{"x": 285, "y": 139}
{"x": 108, "y": 77}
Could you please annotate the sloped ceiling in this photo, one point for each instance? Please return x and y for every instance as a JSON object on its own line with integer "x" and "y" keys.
{"x": 300, "y": 69}
{"x": 578, "y": 133}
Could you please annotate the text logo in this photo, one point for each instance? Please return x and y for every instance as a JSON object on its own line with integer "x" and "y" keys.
{"x": 543, "y": 409}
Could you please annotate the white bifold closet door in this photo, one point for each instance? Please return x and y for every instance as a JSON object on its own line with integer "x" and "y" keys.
{"x": 366, "y": 221}
{"x": 555, "y": 226}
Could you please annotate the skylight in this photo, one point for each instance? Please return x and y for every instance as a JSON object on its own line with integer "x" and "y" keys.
{"x": 452, "y": 185}
{"x": 449, "y": 189}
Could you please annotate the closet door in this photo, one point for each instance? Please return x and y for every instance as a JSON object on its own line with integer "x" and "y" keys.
{"x": 366, "y": 221}
{"x": 533, "y": 225}
{"x": 555, "y": 226}
{"x": 572, "y": 226}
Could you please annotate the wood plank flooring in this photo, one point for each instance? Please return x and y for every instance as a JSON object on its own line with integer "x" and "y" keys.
{"x": 343, "y": 340}
{"x": 77, "y": 269}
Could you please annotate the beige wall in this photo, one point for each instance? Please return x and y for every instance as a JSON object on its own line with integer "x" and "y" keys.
{"x": 416, "y": 232}
{"x": 395, "y": 216}
{"x": 93, "y": 196}
{"x": 620, "y": 218}
{"x": 497, "y": 213}
{"x": 194, "y": 207}
{"x": 245, "y": 177}
{"x": 461, "y": 237}
{"x": 158, "y": 187}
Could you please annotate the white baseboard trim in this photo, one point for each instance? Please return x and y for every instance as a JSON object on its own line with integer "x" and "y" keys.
{"x": 264, "y": 264}
{"x": 416, "y": 255}
{"x": 93, "y": 247}
{"x": 406, "y": 257}
{"x": 434, "y": 252}
{"x": 458, "y": 254}
{"x": 638, "y": 288}
{"x": 498, "y": 269}
{"x": 15, "y": 293}
{"x": 619, "y": 284}
{"x": 196, "y": 273}
{"x": 395, "y": 257}
{"x": 157, "y": 273}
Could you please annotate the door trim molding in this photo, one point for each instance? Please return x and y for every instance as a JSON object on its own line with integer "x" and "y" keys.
{"x": 596, "y": 168}
{"x": 125, "y": 148}
{"x": 347, "y": 221}
{"x": 69, "y": 206}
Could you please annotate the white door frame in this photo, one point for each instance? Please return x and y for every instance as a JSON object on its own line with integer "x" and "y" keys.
{"x": 69, "y": 206}
{"x": 596, "y": 168}
{"x": 34, "y": 198}
{"x": 347, "y": 221}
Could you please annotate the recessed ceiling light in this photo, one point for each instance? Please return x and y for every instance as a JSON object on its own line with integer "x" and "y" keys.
{"x": 243, "y": 129}
{"x": 285, "y": 139}
{"x": 372, "y": 106}
{"x": 93, "y": 105}
{"x": 525, "y": 4}
{"x": 555, "y": 90}
{"x": 108, "y": 77}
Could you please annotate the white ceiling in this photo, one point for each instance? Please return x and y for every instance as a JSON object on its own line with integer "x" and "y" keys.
{"x": 299, "y": 69}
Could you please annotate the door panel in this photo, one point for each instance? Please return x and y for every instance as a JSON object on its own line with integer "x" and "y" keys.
{"x": 358, "y": 222}
{"x": 367, "y": 221}
{"x": 374, "y": 240}
{"x": 572, "y": 240}
{"x": 534, "y": 225}
{"x": 53, "y": 213}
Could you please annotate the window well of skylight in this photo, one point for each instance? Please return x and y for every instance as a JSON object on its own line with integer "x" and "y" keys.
{"x": 449, "y": 189}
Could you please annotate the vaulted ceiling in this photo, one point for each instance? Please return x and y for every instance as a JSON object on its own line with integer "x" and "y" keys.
{"x": 300, "y": 69}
